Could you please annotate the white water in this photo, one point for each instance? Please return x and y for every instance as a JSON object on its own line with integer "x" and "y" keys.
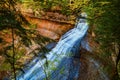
{"x": 61, "y": 63}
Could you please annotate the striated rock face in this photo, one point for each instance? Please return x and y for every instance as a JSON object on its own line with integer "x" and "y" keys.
{"x": 48, "y": 28}
{"x": 91, "y": 69}
{"x": 51, "y": 29}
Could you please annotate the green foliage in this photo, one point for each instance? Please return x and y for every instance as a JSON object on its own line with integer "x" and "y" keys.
{"x": 104, "y": 16}
{"x": 66, "y": 7}
{"x": 10, "y": 18}
{"x": 5, "y": 67}
{"x": 12, "y": 23}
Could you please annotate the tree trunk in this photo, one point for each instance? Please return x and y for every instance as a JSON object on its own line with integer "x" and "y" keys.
{"x": 13, "y": 65}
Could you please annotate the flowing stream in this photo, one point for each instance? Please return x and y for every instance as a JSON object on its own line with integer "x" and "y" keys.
{"x": 62, "y": 62}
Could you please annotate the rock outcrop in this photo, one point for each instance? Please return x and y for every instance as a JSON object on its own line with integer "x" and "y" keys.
{"x": 49, "y": 28}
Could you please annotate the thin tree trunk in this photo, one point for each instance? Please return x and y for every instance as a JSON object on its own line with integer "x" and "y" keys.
{"x": 13, "y": 65}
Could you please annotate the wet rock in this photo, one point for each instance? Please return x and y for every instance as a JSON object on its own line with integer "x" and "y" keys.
{"x": 51, "y": 45}
{"x": 4, "y": 75}
{"x": 91, "y": 69}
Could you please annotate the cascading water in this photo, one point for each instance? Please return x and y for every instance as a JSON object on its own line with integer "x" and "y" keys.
{"x": 60, "y": 63}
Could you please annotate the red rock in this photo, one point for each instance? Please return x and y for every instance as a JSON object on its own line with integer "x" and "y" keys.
{"x": 48, "y": 28}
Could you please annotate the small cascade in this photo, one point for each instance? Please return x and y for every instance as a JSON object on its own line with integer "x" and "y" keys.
{"x": 60, "y": 63}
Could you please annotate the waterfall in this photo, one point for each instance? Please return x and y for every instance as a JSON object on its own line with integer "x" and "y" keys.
{"x": 60, "y": 63}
